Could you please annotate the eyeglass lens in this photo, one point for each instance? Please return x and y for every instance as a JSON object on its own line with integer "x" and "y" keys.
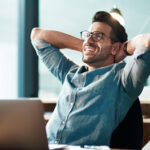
{"x": 96, "y": 36}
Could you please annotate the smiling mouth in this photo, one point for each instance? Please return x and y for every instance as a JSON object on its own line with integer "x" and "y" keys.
{"x": 90, "y": 48}
{"x": 89, "y": 51}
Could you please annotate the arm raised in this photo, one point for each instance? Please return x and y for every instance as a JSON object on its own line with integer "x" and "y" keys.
{"x": 58, "y": 39}
{"x": 139, "y": 40}
{"x": 130, "y": 47}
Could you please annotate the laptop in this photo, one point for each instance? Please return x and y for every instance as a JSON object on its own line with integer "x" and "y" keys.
{"x": 22, "y": 125}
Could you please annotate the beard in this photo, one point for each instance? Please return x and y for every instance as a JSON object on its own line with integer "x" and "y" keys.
{"x": 94, "y": 55}
{"x": 88, "y": 60}
{"x": 95, "y": 59}
{"x": 90, "y": 56}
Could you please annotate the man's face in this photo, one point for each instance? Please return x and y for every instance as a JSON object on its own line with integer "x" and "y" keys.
{"x": 95, "y": 52}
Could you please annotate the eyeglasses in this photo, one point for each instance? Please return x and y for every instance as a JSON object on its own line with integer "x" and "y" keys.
{"x": 96, "y": 35}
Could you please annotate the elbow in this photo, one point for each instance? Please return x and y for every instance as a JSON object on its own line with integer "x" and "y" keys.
{"x": 146, "y": 39}
{"x": 149, "y": 41}
{"x": 35, "y": 33}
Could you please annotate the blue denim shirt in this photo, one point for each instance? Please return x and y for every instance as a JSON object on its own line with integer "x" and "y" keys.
{"x": 92, "y": 103}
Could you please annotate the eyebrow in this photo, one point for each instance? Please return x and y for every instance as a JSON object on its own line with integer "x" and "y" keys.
{"x": 99, "y": 32}
{"x": 103, "y": 34}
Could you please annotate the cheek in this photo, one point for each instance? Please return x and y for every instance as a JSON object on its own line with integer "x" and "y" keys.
{"x": 105, "y": 48}
{"x": 104, "y": 45}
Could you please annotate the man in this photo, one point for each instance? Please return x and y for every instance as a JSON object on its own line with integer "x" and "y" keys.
{"x": 94, "y": 98}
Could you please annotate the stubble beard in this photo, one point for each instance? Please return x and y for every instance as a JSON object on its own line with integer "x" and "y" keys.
{"x": 93, "y": 59}
{"x": 96, "y": 59}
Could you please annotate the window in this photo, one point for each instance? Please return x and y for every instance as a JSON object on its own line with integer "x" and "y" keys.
{"x": 8, "y": 48}
{"x": 73, "y": 16}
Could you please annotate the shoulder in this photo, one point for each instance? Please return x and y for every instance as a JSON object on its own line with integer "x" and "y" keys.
{"x": 118, "y": 66}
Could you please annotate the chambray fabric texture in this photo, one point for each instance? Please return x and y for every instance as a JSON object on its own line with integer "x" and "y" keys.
{"x": 91, "y": 104}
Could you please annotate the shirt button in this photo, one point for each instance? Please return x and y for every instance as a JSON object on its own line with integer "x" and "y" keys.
{"x": 63, "y": 122}
{"x": 79, "y": 88}
{"x": 83, "y": 74}
{"x": 71, "y": 104}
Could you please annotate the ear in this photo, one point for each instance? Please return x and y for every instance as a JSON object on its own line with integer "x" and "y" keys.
{"x": 116, "y": 47}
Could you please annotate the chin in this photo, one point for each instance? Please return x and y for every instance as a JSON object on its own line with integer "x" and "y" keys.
{"x": 87, "y": 61}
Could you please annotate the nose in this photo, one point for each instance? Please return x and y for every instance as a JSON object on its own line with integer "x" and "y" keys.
{"x": 89, "y": 39}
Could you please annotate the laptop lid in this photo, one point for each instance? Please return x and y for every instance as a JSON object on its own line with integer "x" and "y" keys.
{"x": 22, "y": 125}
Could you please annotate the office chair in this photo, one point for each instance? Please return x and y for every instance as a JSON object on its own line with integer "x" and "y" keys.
{"x": 129, "y": 134}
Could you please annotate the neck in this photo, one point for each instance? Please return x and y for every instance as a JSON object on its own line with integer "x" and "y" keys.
{"x": 101, "y": 64}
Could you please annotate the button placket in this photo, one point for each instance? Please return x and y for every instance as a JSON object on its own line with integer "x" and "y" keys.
{"x": 72, "y": 98}
{"x": 71, "y": 104}
{"x": 83, "y": 79}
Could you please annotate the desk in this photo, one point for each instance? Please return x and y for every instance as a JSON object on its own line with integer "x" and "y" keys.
{"x": 71, "y": 147}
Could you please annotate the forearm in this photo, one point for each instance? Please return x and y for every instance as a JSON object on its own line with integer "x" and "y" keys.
{"x": 128, "y": 48}
{"x": 57, "y": 39}
{"x": 140, "y": 40}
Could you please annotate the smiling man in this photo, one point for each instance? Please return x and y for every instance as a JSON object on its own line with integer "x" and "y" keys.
{"x": 94, "y": 98}
{"x": 98, "y": 50}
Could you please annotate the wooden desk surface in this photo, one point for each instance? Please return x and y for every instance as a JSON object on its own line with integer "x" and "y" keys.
{"x": 71, "y": 147}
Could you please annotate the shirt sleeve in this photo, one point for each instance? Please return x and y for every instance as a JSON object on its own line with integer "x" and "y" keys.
{"x": 54, "y": 60}
{"x": 136, "y": 72}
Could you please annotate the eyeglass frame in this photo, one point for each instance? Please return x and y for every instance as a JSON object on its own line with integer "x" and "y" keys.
{"x": 91, "y": 34}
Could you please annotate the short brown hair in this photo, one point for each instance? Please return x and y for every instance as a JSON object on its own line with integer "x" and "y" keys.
{"x": 118, "y": 33}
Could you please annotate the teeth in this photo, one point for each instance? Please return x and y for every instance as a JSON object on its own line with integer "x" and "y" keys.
{"x": 90, "y": 50}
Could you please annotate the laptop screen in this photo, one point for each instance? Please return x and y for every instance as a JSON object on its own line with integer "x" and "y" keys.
{"x": 22, "y": 125}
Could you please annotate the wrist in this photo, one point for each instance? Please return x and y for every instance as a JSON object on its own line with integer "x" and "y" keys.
{"x": 125, "y": 49}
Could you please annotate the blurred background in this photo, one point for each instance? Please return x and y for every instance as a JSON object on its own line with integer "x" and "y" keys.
{"x": 21, "y": 73}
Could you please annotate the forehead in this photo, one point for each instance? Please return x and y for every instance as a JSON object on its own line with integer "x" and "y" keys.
{"x": 100, "y": 26}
